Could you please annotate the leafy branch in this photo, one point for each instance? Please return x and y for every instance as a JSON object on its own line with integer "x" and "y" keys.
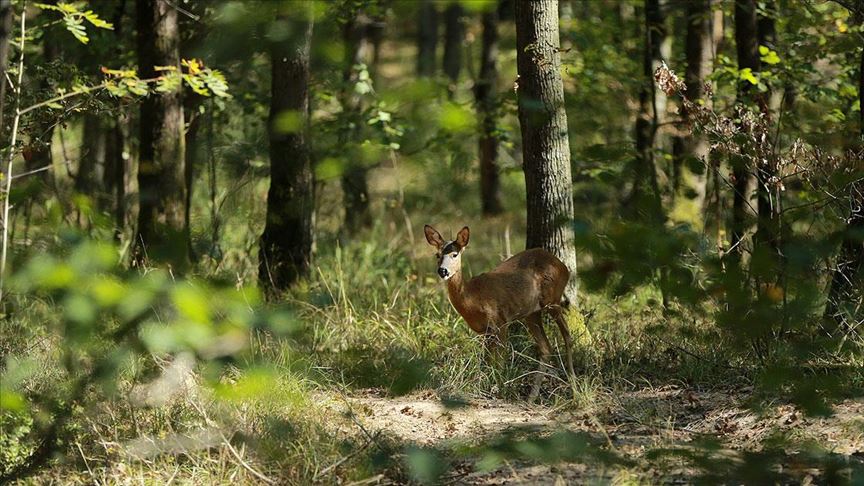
{"x": 73, "y": 19}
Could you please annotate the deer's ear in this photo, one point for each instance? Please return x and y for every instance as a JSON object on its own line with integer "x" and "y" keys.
{"x": 433, "y": 236}
{"x": 462, "y": 237}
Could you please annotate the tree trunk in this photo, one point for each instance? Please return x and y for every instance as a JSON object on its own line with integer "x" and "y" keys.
{"x": 114, "y": 173}
{"x": 645, "y": 196}
{"x": 699, "y": 53}
{"x": 848, "y": 279}
{"x": 286, "y": 244}
{"x": 5, "y": 34}
{"x": 545, "y": 144}
{"x": 355, "y": 189}
{"x": 427, "y": 38}
{"x": 747, "y": 46}
{"x": 191, "y": 102}
{"x": 454, "y": 35}
{"x": 93, "y": 152}
{"x": 486, "y": 94}
{"x": 162, "y": 234}
{"x": 113, "y": 177}
{"x": 766, "y": 240}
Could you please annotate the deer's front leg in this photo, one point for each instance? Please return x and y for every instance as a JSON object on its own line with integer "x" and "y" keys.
{"x": 495, "y": 340}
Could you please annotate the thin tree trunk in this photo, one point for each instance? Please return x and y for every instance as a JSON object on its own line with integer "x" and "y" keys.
{"x": 545, "y": 143}
{"x": 114, "y": 174}
{"x": 113, "y": 178}
{"x": 767, "y": 234}
{"x": 747, "y": 46}
{"x": 162, "y": 234}
{"x": 286, "y": 244}
{"x": 191, "y": 102}
{"x": 355, "y": 189}
{"x": 93, "y": 153}
{"x": 5, "y": 34}
{"x": 454, "y": 35}
{"x": 486, "y": 95}
{"x": 427, "y": 38}
{"x": 699, "y": 52}
{"x": 645, "y": 196}
{"x": 848, "y": 279}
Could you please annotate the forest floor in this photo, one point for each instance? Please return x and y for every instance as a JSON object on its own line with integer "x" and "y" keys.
{"x": 630, "y": 424}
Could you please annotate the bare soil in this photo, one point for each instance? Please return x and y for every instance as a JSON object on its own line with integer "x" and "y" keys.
{"x": 629, "y": 423}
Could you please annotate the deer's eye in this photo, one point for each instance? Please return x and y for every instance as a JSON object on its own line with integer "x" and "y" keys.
{"x": 454, "y": 255}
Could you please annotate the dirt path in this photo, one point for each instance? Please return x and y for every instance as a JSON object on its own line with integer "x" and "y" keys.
{"x": 631, "y": 423}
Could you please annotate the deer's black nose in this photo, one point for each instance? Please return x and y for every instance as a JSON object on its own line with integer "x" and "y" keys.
{"x": 442, "y": 272}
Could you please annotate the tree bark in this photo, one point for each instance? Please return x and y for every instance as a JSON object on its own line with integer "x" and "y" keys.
{"x": 162, "y": 234}
{"x": 286, "y": 244}
{"x": 486, "y": 94}
{"x": 355, "y": 189}
{"x": 113, "y": 177}
{"x": 545, "y": 144}
{"x": 645, "y": 198}
{"x": 747, "y": 47}
{"x": 427, "y": 38}
{"x": 191, "y": 102}
{"x": 699, "y": 51}
{"x": 767, "y": 236}
{"x": 454, "y": 35}
{"x": 93, "y": 152}
{"x": 116, "y": 160}
{"x": 848, "y": 279}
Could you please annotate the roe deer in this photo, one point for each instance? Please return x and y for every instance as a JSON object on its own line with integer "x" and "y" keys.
{"x": 519, "y": 288}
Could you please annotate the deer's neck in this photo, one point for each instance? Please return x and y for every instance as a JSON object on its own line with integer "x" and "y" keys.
{"x": 464, "y": 304}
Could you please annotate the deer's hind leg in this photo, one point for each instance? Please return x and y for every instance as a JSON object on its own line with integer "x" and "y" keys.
{"x": 558, "y": 314}
{"x": 534, "y": 323}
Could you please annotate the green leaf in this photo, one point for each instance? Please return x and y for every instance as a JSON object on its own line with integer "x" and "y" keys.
{"x": 746, "y": 74}
{"x": 769, "y": 56}
{"x": 192, "y": 303}
{"x": 456, "y": 118}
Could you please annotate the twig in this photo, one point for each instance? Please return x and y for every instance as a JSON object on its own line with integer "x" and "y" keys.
{"x": 345, "y": 458}
{"x": 243, "y": 463}
{"x": 86, "y": 463}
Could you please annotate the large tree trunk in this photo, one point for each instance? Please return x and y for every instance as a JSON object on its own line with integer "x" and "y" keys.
{"x": 286, "y": 244}
{"x": 747, "y": 46}
{"x": 543, "y": 123}
{"x": 355, "y": 189}
{"x": 486, "y": 94}
{"x": 454, "y": 35}
{"x": 848, "y": 279}
{"x": 645, "y": 198}
{"x": 5, "y": 34}
{"x": 162, "y": 232}
{"x": 427, "y": 38}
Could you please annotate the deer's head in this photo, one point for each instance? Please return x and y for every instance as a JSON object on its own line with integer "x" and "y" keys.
{"x": 449, "y": 253}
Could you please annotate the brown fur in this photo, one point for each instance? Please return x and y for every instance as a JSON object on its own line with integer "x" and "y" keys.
{"x": 523, "y": 284}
